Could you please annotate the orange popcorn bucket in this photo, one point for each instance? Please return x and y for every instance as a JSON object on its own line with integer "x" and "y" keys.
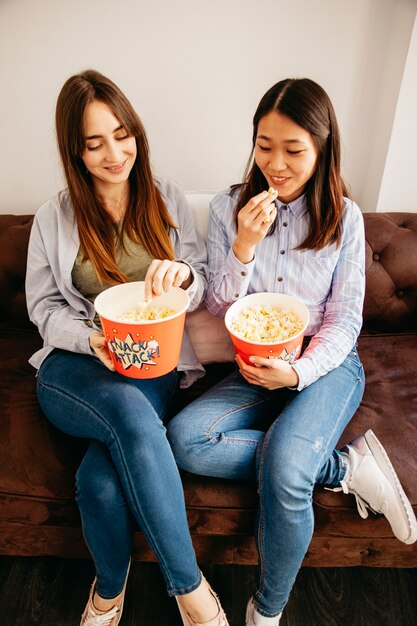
{"x": 288, "y": 349}
{"x": 145, "y": 348}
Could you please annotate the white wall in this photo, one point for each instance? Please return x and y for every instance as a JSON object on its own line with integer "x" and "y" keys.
{"x": 195, "y": 71}
{"x": 398, "y": 191}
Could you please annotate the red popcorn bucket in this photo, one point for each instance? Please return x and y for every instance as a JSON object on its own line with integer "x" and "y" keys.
{"x": 288, "y": 349}
{"x": 143, "y": 348}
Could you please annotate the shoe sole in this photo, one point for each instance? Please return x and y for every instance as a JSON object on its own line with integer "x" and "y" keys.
{"x": 385, "y": 464}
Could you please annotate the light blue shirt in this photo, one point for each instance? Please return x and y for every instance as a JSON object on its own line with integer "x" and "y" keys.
{"x": 330, "y": 281}
{"x": 64, "y": 317}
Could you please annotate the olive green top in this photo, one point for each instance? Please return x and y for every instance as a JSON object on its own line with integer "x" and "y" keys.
{"x": 132, "y": 259}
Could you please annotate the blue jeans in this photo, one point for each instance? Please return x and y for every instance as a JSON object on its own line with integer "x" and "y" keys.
{"x": 285, "y": 440}
{"x": 128, "y": 476}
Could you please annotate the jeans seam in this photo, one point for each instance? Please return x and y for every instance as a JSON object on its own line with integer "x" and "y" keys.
{"x": 261, "y": 523}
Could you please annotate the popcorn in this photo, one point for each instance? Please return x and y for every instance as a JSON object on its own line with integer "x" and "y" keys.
{"x": 271, "y": 192}
{"x": 266, "y": 324}
{"x": 143, "y": 312}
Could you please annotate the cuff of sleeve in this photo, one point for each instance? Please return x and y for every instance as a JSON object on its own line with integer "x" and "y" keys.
{"x": 306, "y": 373}
{"x": 193, "y": 274}
{"x": 241, "y": 274}
{"x": 84, "y": 341}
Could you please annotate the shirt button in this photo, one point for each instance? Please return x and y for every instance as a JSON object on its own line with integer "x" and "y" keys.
{"x": 285, "y": 223}
{"x": 236, "y": 295}
{"x": 282, "y": 251}
{"x": 285, "y": 207}
{"x": 243, "y": 273}
{"x": 279, "y": 279}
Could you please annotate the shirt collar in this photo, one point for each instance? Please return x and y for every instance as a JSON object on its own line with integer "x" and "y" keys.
{"x": 297, "y": 207}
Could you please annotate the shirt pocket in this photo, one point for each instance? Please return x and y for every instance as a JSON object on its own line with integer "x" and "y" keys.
{"x": 316, "y": 276}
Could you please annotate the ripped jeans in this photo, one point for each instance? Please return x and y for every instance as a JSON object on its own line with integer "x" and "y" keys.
{"x": 285, "y": 440}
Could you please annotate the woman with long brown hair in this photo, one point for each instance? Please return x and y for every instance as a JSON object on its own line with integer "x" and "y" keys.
{"x": 290, "y": 227}
{"x": 115, "y": 223}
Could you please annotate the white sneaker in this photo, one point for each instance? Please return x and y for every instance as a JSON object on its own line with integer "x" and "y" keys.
{"x": 375, "y": 485}
{"x": 253, "y": 618}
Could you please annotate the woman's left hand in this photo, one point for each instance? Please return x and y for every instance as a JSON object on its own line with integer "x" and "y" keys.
{"x": 162, "y": 275}
{"x": 268, "y": 373}
{"x": 98, "y": 345}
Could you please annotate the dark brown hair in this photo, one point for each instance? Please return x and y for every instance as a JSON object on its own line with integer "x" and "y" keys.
{"x": 146, "y": 219}
{"x": 307, "y": 104}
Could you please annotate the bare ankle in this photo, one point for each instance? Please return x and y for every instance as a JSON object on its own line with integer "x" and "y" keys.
{"x": 102, "y": 605}
{"x": 200, "y": 604}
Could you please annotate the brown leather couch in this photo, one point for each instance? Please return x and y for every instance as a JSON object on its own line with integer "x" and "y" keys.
{"x": 38, "y": 515}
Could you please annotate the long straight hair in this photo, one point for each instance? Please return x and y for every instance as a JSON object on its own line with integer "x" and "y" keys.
{"x": 146, "y": 220}
{"x": 307, "y": 104}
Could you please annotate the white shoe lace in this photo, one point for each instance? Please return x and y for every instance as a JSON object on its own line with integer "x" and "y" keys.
{"x": 105, "y": 619}
{"x": 361, "y": 504}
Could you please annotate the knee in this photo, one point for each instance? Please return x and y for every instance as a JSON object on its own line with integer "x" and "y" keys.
{"x": 135, "y": 424}
{"x": 186, "y": 442}
{"x": 286, "y": 480}
{"x": 98, "y": 489}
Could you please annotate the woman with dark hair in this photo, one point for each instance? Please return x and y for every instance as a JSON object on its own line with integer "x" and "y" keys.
{"x": 275, "y": 421}
{"x": 115, "y": 223}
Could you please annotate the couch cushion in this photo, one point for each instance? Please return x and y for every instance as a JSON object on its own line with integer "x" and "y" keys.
{"x": 41, "y": 461}
{"x": 209, "y": 337}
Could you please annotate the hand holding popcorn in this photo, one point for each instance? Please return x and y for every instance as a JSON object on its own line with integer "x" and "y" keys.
{"x": 254, "y": 221}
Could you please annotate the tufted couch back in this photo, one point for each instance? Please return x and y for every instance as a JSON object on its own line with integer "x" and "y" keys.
{"x": 391, "y": 272}
{"x": 391, "y": 267}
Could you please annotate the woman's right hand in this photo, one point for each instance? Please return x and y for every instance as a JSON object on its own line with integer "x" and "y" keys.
{"x": 98, "y": 345}
{"x": 254, "y": 221}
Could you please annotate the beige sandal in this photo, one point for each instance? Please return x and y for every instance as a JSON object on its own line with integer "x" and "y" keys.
{"x": 219, "y": 620}
{"x": 91, "y": 617}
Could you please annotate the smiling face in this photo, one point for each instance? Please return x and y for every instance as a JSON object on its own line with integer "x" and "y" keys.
{"x": 109, "y": 152}
{"x": 286, "y": 155}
